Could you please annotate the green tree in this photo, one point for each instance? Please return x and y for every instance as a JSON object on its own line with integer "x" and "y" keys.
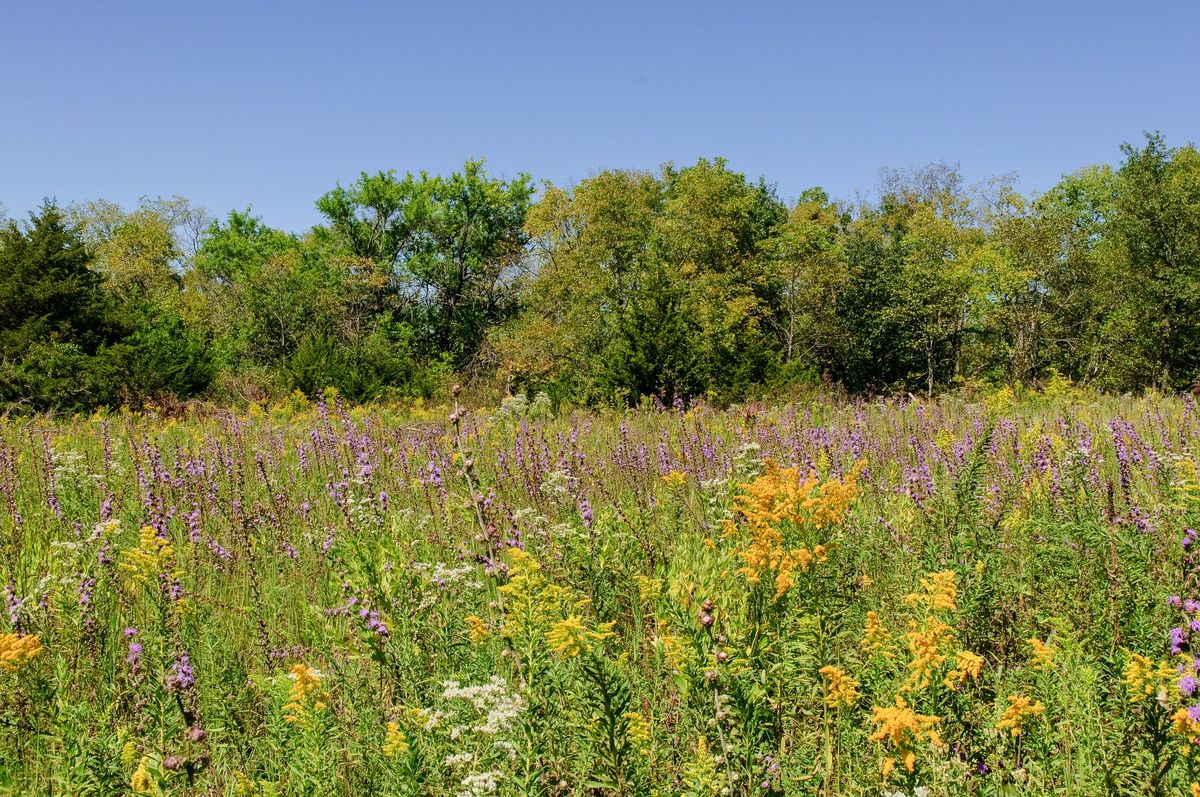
{"x": 55, "y": 320}
{"x": 809, "y": 278}
{"x": 449, "y": 247}
{"x": 1157, "y": 220}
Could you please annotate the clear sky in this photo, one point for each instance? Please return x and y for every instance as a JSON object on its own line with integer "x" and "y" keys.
{"x": 270, "y": 104}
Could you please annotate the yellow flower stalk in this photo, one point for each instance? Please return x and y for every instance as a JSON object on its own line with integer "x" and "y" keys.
{"x": 395, "y": 742}
{"x": 967, "y": 666}
{"x": 1020, "y": 710}
{"x": 674, "y": 648}
{"x": 306, "y": 695}
{"x": 17, "y": 650}
{"x": 479, "y": 629}
{"x": 1145, "y": 678}
{"x": 928, "y": 645}
{"x": 902, "y": 729}
{"x": 141, "y": 782}
{"x": 675, "y": 479}
{"x": 938, "y": 592}
{"x": 1043, "y": 654}
{"x": 875, "y": 636}
{"x": 568, "y": 637}
{"x": 840, "y": 688}
{"x": 777, "y": 499}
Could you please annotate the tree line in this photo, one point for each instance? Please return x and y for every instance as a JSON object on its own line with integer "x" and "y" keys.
{"x": 692, "y": 281}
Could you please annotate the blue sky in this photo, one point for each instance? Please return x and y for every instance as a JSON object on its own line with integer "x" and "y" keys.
{"x": 270, "y": 104}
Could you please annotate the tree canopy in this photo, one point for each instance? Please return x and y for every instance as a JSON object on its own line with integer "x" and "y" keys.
{"x": 691, "y": 281}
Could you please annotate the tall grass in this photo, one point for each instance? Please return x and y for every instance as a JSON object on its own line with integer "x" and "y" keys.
{"x": 831, "y": 598}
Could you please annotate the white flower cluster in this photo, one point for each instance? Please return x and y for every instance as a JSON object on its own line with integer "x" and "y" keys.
{"x": 493, "y": 700}
{"x": 443, "y": 575}
{"x": 68, "y": 463}
{"x": 558, "y": 482}
{"x": 479, "y": 785}
{"x": 919, "y": 791}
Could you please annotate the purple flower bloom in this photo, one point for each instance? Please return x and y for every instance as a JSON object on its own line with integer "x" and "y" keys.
{"x": 181, "y": 677}
{"x": 1187, "y": 685}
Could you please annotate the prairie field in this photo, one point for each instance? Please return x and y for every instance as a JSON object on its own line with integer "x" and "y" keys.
{"x": 950, "y": 597}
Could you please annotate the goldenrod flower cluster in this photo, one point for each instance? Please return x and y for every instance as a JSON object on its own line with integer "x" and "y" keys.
{"x": 674, "y": 648}
{"x": 479, "y": 629}
{"x": 1188, "y": 727}
{"x": 939, "y": 591}
{"x": 876, "y": 638}
{"x": 840, "y": 688}
{"x": 395, "y": 741}
{"x": 151, "y": 556}
{"x": 638, "y": 731}
{"x": 928, "y": 643}
{"x": 648, "y": 587}
{"x": 1020, "y": 710}
{"x": 306, "y": 695}
{"x": 1145, "y": 678}
{"x": 535, "y": 611}
{"x": 568, "y": 637}
{"x": 17, "y": 650}
{"x": 903, "y": 729}
{"x": 141, "y": 782}
{"x": 675, "y": 479}
{"x": 779, "y": 499}
{"x": 1043, "y": 654}
{"x": 531, "y": 602}
{"x": 967, "y": 665}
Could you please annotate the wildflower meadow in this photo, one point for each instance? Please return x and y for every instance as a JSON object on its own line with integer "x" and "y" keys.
{"x": 965, "y": 596}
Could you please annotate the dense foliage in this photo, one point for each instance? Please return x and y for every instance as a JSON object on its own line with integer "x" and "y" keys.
{"x": 691, "y": 282}
{"x": 833, "y": 598}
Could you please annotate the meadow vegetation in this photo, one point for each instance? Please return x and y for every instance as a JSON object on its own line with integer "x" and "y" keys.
{"x": 978, "y": 595}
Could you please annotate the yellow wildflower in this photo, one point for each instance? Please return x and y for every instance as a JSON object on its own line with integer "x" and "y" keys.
{"x": 840, "y": 688}
{"x": 129, "y": 754}
{"x": 1020, "y": 709}
{"x": 674, "y": 648}
{"x": 567, "y": 637}
{"x": 1188, "y": 728}
{"x": 148, "y": 558}
{"x": 638, "y": 730}
{"x": 395, "y": 743}
{"x": 306, "y": 693}
{"x": 142, "y": 782}
{"x": 939, "y": 591}
{"x": 700, "y": 773}
{"x": 875, "y": 636}
{"x": 531, "y": 603}
{"x": 776, "y": 504}
{"x": 966, "y": 665}
{"x": 902, "y": 729}
{"x": 648, "y": 587}
{"x": 17, "y": 650}
{"x": 1145, "y": 678}
{"x": 927, "y": 647}
{"x": 479, "y": 629}
{"x": 1043, "y": 654}
{"x": 675, "y": 479}
{"x": 243, "y": 786}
